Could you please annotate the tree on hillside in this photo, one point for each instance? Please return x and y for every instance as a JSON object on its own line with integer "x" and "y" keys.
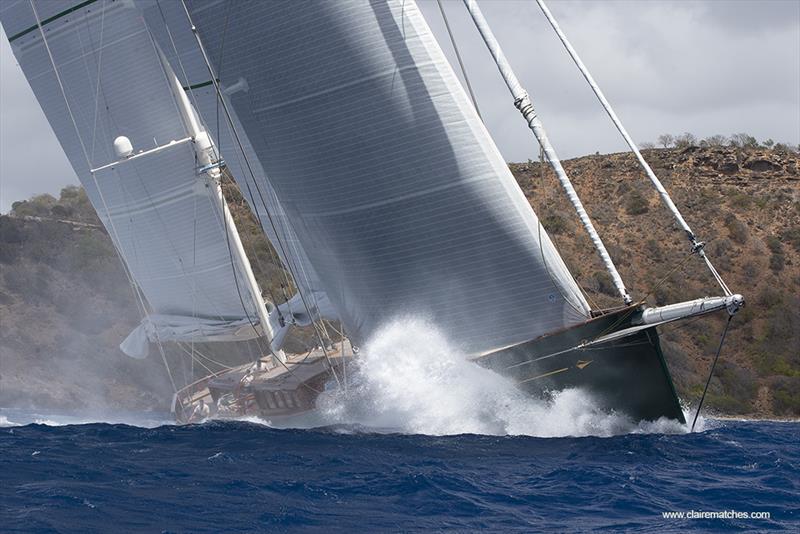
{"x": 743, "y": 140}
{"x": 714, "y": 140}
{"x": 787, "y": 148}
{"x": 666, "y": 140}
{"x": 685, "y": 140}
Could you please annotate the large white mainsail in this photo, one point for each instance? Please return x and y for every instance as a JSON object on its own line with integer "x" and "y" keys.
{"x": 165, "y": 218}
{"x": 393, "y": 186}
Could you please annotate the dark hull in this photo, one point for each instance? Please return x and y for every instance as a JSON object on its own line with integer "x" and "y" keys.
{"x": 628, "y": 375}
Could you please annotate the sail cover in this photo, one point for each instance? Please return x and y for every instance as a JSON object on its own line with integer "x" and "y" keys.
{"x": 393, "y": 186}
{"x": 164, "y": 218}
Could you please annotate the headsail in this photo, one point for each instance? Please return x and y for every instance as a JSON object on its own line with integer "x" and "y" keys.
{"x": 393, "y": 186}
{"x": 164, "y": 217}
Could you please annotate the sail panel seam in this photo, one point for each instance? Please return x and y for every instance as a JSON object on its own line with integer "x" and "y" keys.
{"x": 48, "y": 20}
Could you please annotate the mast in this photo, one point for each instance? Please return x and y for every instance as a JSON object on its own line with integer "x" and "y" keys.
{"x": 210, "y": 164}
{"x": 662, "y": 192}
{"x": 523, "y": 103}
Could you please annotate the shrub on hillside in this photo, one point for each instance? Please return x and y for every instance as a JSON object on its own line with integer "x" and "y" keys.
{"x": 736, "y": 229}
{"x": 743, "y": 140}
{"x": 777, "y": 262}
{"x": 728, "y": 404}
{"x": 750, "y": 269}
{"x": 714, "y": 140}
{"x": 636, "y": 204}
{"x": 738, "y": 382}
{"x": 787, "y": 148}
{"x": 604, "y": 284}
{"x": 685, "y": 140}
{"x": 786, "y": 395}
{"x": 37, "y": 206}
{"x": 792, "y": 236}
{"x": 555, "y": 223}
{"x": 666, "y": 140}
{"x": 654, "y": 250}
{"x": 777, "y": 259}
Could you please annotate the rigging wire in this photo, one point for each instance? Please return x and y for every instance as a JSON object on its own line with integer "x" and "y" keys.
{"x": 97, "y": 84}
{"x": 271, "y": 251}
{"x": 192, "y": 95}
{"x": 194, "y": 354}
{"x": 218, "y": 101}
{"x": 524, "y": 105}
{"x": 711, "y": 371}
{"x": 460, "y": 62}
{"x": 234, "y": 265}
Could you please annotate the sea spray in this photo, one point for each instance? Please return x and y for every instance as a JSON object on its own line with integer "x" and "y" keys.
{"x": 410, "y": 378}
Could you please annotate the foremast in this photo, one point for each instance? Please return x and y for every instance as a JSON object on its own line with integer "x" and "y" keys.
{"x": 210, "y": 165}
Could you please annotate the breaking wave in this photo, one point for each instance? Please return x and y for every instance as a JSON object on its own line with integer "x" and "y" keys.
{"x": 409, "y": 378}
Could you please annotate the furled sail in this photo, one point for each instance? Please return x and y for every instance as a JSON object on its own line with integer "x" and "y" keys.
{"x": 165, "y": 217}
{"x": 393, "y": 187}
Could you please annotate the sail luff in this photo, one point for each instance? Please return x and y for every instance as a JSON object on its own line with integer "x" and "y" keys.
{"x": 523, "y": 103}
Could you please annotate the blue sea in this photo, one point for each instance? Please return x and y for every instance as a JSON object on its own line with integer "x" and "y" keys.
{"x": 243, "y": 476}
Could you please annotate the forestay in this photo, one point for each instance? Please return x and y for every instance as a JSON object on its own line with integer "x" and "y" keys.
{"x": 393, "y": 186}
{"x": 163, "y": 216}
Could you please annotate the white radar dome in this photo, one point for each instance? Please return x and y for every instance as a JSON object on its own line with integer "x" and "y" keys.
{"x": 123, "y": 147}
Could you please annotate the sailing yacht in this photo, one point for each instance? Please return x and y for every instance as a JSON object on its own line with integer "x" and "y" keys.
{"x": 367, "y": 167}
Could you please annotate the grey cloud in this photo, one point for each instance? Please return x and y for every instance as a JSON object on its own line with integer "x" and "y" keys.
{"x": 666, "y": 66}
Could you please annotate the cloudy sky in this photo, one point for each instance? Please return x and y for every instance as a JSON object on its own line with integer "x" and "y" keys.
{"x": 703, "y": 66}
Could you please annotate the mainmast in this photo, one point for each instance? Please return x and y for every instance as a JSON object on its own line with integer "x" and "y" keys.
{"x": 523, "y": 103}
{"x": 209, "y": 164}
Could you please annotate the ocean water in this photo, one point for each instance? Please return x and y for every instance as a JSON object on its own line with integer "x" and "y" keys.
{"x": 419, "y": 440}
{"x": 243, "y": 476}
